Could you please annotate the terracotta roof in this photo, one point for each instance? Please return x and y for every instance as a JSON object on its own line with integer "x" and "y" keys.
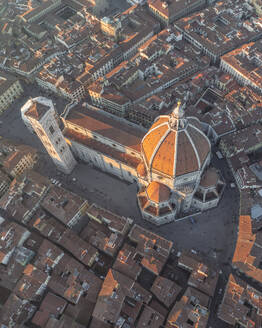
{"x": 158, "y": 192}
{"x": 150, "y": 318}
{"x": 165, "y": 290}
{"x": 192, "y": 306}
{"x": 238, "y": 299}
{"x": 175, "y": 146}
{"x": 141, "y": 169}
{"x": 209, "y": 178}
{"x": 37, "y": 110}
{"x": 92, "y": 143}
{"x": 169, "y": 9}
{"x": 152, "y": 139}
{"x": 100, "y": 123}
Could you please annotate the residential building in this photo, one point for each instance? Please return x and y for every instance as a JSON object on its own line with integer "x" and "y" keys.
{"x": 202, "y": 276}
{"x": 244, "y": 64}
{"x": 192, "y": 309}
{"x": 247, "y": 256}
{"x": 10, "y": 89}
{"x": 216, "y": 30}
{"x": 22, "y": 159}
{"x": 169, "y": 11}
{"x": 4, "y": 183}
{"x": 114, "y": 222}
{"x": 152, "y": 250}
{"x": 127, "y": 262}
{"x": 100, "y": 236}
{"x": 64, "y": 205}
{"x": 24, "y": 196}
{"x": 246, "y": 140}
{"x": 16, "y": 311}
{"x": 241, "y": 304}
{"x": 150, "y": 318}
{"x": 119, "y": 294}
{"x": 165, "y": 290}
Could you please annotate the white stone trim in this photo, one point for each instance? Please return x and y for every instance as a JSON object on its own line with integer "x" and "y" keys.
{"x": 142, "y": 152}
{"x": 149, "y": 131}
{"x": 194, "y": 147}
{"x": 175, "y": 157}
{"x": 202, "y": 133}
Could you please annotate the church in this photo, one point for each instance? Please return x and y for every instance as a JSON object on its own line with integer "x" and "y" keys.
{"x": 170, "y": 162}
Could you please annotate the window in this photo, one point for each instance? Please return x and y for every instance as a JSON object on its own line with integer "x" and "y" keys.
{"x": 51, "y": 129}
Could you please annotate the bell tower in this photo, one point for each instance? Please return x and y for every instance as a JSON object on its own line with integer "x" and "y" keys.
{"x": 42, "y": 116}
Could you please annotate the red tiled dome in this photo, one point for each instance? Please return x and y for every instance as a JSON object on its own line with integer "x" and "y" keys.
{"x": 209, "y": 178}
{"x": 141, "y": 169}
{"x": 158, "y": 192}
{"x": 175, "y": 145}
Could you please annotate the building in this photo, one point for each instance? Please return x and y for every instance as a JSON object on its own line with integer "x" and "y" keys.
{"x": 4, "y": 183}
{"x": 175, "y": 169}
{"x": 138, "y": 88}
{"x": 221, "y": 28}
{"x": 244, "y": 64}
{"x": 170, "y": 163}
{"x": 64, "y": 205}
{"x": 102, "y": 238}
{"x": 165, "y": 290}
{"x": 245, "y": 141}
{"x": 119, "y": 301}
{"x": 202, "y": 276}
{"x": 127, "y": 263}
{"x": 20, "y": 160}
{"x": 16, "y": 311}
{"x": 191, "y": 311}
{"x": 241, "y": 304}
{"x": 33, "y": 14}
{"x": 40, "y": 113}
{"x": 150, "y": 318}
{"x": 169, "y": 11}
{"x": 258, "y": 6}
{"x": 115, "y": 223}
{"x": 247, "y": 256}
{"x": 152, "y": 251}
{"x": 110, "y": 26}
{"x": 103, "y": 141}
{"x": 10, "y": 89}
{"x": 25, "y": 195}
{"x": 12, "y": 235}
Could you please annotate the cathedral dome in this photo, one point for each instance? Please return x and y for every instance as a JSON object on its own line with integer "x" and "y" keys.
{"x": 158, "y": 192}
{"x": 141, "y": 170}
{"x": 175, "y": 145}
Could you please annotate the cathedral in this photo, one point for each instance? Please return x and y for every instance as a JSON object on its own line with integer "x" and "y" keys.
{"x": 176, "y": 167}
{"x": 170, "y": 162}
